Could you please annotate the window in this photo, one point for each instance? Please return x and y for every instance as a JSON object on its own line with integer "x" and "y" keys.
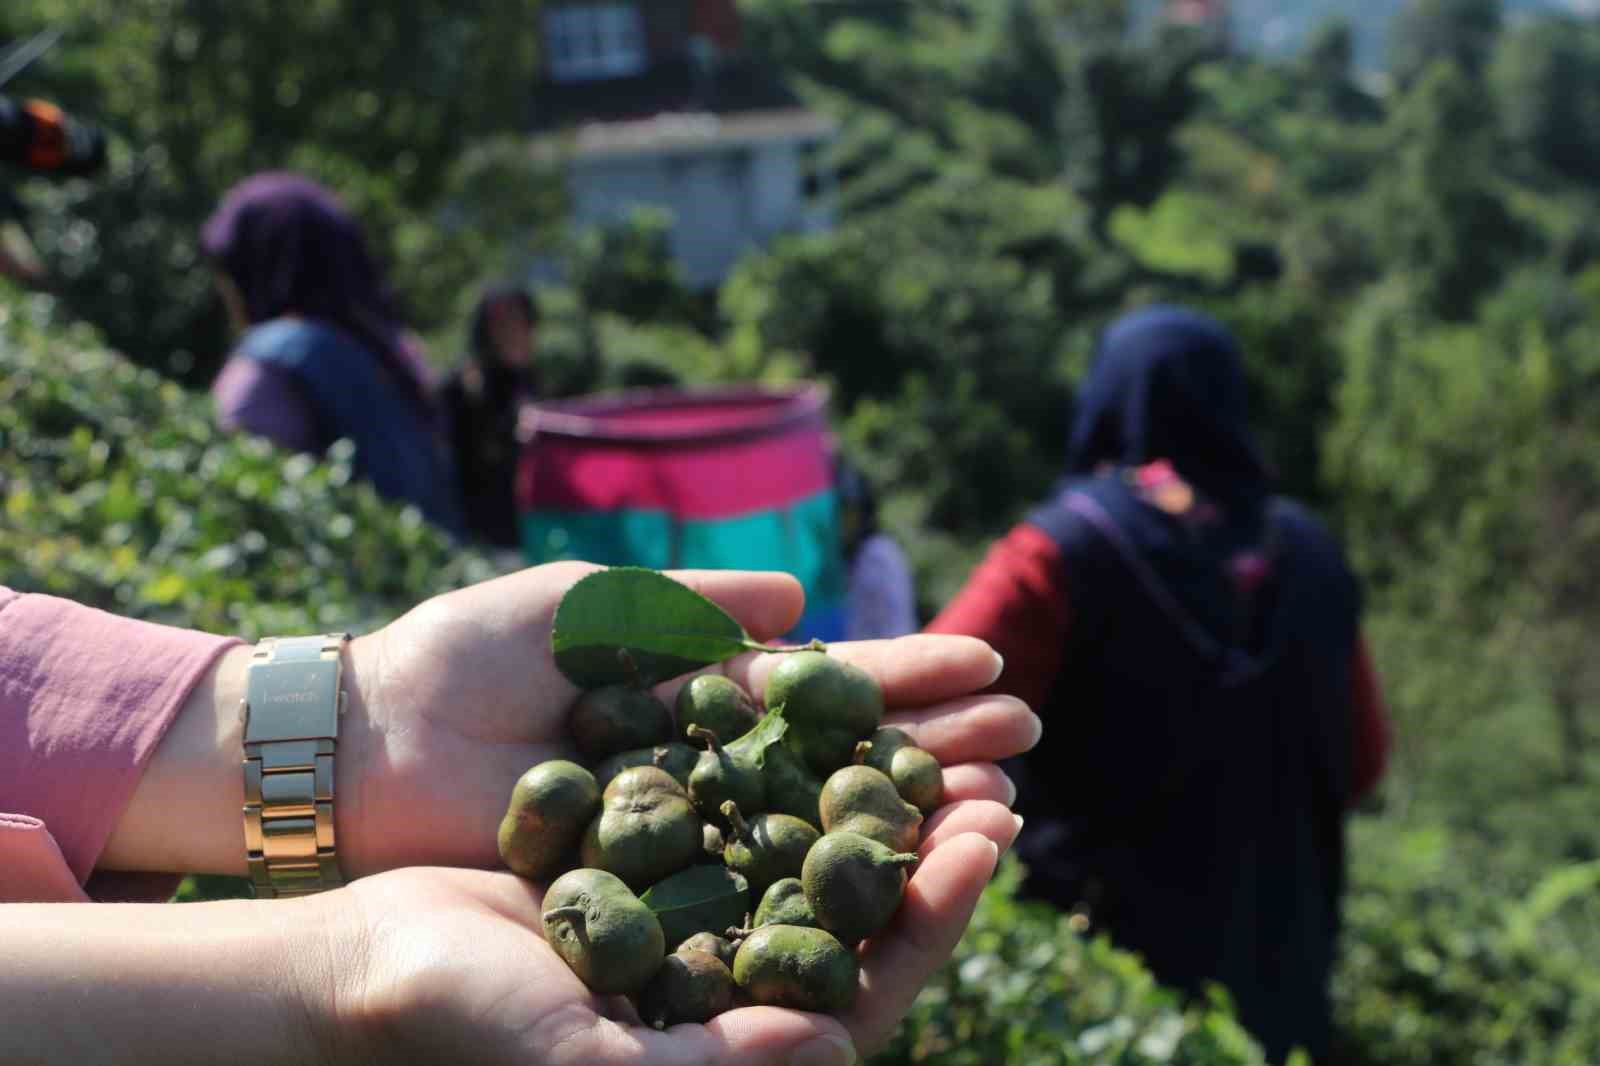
{"x": 591, "y": 42}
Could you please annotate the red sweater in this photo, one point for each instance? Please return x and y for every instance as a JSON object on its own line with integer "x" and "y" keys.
{"x": 1015, "y": 601}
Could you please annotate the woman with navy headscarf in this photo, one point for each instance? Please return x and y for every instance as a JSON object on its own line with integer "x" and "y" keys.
{"x": 1210, "y": 710}
{"x": 323, "y": 355}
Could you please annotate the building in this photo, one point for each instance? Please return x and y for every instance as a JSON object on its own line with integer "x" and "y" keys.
{"x": 665, "y": 108}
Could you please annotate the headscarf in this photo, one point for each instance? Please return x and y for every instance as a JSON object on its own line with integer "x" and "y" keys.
{"x": 1168, "y": 383}
{"x": 485, "y": 372}
{"x": 291, "y": 247}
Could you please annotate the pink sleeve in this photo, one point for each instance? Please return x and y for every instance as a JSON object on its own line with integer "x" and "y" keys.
{"x": 85, "y": 697}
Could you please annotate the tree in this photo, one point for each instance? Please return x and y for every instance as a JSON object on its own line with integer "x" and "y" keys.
{"x": 1326, "y": 67}
{"x": 1440, "y": 218}
{"x": 202, "y": 93}
{"x": 1458, "y": 31}
{"x": 1546, "y": 88}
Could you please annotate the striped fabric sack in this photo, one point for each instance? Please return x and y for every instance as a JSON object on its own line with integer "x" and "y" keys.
{"x": 727, "y": 478}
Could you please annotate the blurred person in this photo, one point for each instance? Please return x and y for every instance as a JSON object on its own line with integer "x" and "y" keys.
{"x": 485, "y": 397}
{"x": 19, "y": 260}
{"x": 120, "y": 761}
{"x": 880, "y": 594}
{"x": 323, "y": 354}
{"x": 1211, "y": 710}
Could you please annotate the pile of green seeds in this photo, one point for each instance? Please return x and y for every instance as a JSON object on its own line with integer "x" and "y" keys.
{"x": 726, "y": 858}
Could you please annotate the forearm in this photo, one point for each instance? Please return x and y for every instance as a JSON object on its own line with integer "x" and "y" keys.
{"x": 165, "y": 984}
{"x": 186, "y": 814}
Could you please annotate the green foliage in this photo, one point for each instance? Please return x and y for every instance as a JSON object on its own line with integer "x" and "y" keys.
{"x": 1461, "y": 32}
{"x": 379, "y": 101}
{"x": 1024, "y": 987}
{"x": 1546, "y": 86}
{"x": 118, "y": 491}
{"x": 628, "y": 270}
{"x": 1440, "y": 217}
{"x": 1438, "y": 972}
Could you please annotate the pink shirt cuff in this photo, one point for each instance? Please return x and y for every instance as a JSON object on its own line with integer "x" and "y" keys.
{"x": 85, "y": 697}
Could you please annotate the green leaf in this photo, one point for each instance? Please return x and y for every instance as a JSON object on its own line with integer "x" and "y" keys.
{"x": 632, "y": 625}
{"x": 699, "y": 899}
{"x": 752, "y": 747}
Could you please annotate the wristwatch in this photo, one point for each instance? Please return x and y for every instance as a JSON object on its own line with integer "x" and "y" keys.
{"x": 291, "y": 710}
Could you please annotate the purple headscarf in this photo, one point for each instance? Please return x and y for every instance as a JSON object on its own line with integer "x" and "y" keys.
{"x": 291, "y": 248}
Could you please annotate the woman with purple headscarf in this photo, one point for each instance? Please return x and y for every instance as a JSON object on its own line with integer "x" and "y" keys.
{"x": 323, "y": 355}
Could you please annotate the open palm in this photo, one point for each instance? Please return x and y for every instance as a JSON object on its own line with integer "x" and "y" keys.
{"x": 456, "y": 699}
{"x": 454, "y": 969}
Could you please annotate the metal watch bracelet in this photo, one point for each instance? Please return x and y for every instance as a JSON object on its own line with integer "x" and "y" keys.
{"x": 293, "y": 700}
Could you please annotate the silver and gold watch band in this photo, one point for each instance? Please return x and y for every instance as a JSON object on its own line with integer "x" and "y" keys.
{"x": 293, "y": 699}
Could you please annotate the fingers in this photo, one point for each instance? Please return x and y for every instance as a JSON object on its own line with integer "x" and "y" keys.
{"x": 971, "y": 729}
{"x": 913, "y": 671}
{"x": 750, "y": 1036}
{"x": 978, "y": 781}
{"x": 938, "y": 903}
{"x": 984, "y": 817}
{"x": 766, "y": 603}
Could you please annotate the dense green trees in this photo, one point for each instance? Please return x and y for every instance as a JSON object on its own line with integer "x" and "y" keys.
{"x": 381, "y": 101}
{"x": 1456, "y": 31}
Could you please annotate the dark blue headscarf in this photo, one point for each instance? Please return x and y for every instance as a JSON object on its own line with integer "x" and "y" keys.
{"x": 1168, "y": 383}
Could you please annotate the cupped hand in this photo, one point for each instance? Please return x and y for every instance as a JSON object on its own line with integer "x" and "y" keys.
{"x": 452, "y": 702}
{"x": 449, "y": 965}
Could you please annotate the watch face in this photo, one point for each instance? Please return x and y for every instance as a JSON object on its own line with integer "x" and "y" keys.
{"x": 292, "y": 701}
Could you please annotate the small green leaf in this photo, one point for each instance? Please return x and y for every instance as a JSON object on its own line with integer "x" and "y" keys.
{"x": 697, "y": 899}
{"x": 631, "y": 625}
{"x": 752, "y": 747}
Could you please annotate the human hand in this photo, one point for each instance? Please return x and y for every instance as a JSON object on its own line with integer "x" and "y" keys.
{"x": 449, "y": 965}
{"x": 452, "y": 702}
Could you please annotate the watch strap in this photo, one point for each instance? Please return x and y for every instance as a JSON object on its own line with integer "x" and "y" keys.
{"x": 291, "y": 722}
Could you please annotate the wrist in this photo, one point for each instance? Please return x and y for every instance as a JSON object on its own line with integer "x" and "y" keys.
{"x": 184, "y": 815}
{"x": 326, "y": 969}
{"x": 358, "y": 760}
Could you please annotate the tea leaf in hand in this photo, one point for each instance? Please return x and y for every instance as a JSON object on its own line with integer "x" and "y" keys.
{"x": 697, "y": 899}
{"x": 629, "y": 625}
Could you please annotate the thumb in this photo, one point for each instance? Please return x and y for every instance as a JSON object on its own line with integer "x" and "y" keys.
{"x": 750, "y": 1036}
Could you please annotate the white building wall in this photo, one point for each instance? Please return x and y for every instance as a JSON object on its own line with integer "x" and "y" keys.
{"x": 724, "y": 198}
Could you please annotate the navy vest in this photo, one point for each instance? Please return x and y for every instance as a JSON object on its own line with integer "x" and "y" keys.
{"x": 353, "y": 396}
{"x": 1190, "y": 787}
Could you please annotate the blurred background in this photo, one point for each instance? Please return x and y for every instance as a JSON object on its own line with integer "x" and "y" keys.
{"x": 931, "y": 207}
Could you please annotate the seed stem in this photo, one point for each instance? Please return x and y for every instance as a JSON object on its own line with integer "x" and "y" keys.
{"x": 778, "y": 649}
{"x": 730, "y": 811}
{"x": 572, "y": 914}
{"x": 859, "y": 757}
{"x": 696, "y": 731}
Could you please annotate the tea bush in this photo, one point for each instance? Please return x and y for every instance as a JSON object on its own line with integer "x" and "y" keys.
{"x": 119, "y": 492}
